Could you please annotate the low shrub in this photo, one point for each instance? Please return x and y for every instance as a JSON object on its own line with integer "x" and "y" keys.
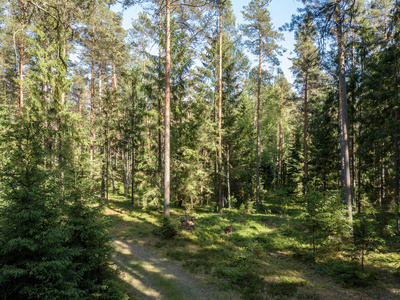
{"x": 167, "y": 230}
{"x": 347, "y": 274}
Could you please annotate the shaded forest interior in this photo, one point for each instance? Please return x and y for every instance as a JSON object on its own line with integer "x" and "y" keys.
{"x": 187, "y": 113}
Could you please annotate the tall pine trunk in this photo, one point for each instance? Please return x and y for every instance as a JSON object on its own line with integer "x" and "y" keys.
{"x": 396, "y": 146}
{"x": 344, "y": 134}
{"x": 305, "y": 188}
{"x": 159, "y": 149}
{"x": 258, "y": 124}
{"x": 92, "y": 115}
{"x": 353, "y": 146}
{"x": 220, "y": 115}
{"x": 167, "y": 111}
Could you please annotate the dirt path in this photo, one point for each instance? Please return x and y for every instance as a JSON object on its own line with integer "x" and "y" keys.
{"x": 154, "y": 277}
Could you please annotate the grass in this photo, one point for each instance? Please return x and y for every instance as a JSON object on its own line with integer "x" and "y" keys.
{"x": 269, "y": 254}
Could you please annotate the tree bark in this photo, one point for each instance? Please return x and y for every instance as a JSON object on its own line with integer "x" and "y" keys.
{"x": 258, "y": 123}
{"x": 133, "y": 153}
{"x": 92, "y": 115}
{"x": 396, "y": 147}
{"x": 280, "y": 171}
{"x": 220, "y": 115}
{"x": 124, "y": 172}
{"x": 167, "y": 111}
{"x": 228, "y": 182}
{"x": 353, "y": 150}
{"x": 305, "y": 188}
{"x": 159, "y": 161}
{"x": 21, "y": 49}
{"x": 344, "y": 136}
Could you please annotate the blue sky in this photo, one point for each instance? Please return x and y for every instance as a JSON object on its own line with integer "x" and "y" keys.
{"x": 281, "y": 12}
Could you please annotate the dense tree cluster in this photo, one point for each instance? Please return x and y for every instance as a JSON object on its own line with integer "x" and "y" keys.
{"x": 171, "y": 112}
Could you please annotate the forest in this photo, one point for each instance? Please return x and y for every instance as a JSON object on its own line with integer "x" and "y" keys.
{"x": 181, "y": 139}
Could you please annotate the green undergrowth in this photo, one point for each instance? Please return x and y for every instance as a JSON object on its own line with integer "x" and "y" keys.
{"x": 270, "y": 254}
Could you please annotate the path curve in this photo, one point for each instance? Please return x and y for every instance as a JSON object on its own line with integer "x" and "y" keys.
{"x": 155, "y": 277}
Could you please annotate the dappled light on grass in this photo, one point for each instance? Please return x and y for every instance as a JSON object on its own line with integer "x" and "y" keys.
{"x": 267, "y": 256}
{"x": 150, "y": 275}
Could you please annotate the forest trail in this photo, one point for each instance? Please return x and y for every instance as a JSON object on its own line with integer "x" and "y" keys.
{"x": 155, "y": 277}
{"x": 152, "y": 276}
{"x": 146, "y": 273}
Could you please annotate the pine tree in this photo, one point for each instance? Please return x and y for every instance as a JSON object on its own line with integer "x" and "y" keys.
{"x": 261, "y": 40}
{"x": 326, "y": 15}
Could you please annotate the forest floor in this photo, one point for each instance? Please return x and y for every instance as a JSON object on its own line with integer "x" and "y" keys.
{"x": 255, "y": 262}
{"x": 147, "y": 274}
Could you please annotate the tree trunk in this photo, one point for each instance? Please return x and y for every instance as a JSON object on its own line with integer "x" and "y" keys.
{"x": 280, "y": 171}
{"x": 107, "y": 146}
{"x": 167, "y": 111}
{"x": 216, "y": 159}
{"x": 133, "y": 158}
{"x": 21, "y": 49}
{"x": 113, "y": 166}
{"x": 107, "y": 166}
{"x": 64, "y": 53}
{"x": 344, "y": 136}
{"x": 133, "y": 177}
{"x": 220, "y": 115}
{"x": 228, "y": 182}
{"x": 396, "y": 147}
{"x": 124, "y": 171}
{"x": 359, "y": 184}
{"x": 92, "y": 115}
{"x": 305, "y": 188}
{"x": 258, "y": 123}
{"x": 159, "y": 161}
{"x": 353, "y": 150}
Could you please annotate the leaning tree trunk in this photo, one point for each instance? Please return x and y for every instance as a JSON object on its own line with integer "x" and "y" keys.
{"x": 344, "y": 134}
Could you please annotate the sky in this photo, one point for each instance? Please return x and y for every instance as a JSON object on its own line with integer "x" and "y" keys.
{"x": 281, "y": 12}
